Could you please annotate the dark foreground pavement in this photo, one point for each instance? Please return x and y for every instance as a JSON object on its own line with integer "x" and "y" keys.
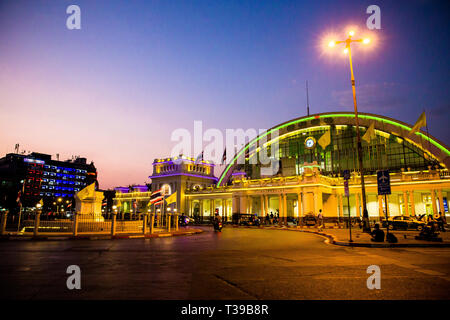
{"x": 239, "y": 263}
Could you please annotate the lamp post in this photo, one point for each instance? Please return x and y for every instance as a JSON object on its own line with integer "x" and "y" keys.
{"x": 348, "y": 42}
{"x": 59, "y": 205}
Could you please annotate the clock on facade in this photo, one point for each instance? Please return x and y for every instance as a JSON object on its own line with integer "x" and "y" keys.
{"x": 310, "y": 142}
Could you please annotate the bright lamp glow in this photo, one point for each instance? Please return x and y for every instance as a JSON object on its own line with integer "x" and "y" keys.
{"x": 331, "y": 43}
{"x": 366, "y": 41}
{"x": 351, "y": 33}
{"x": 345, "y": 50}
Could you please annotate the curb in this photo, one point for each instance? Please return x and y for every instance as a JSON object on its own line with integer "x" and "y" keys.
{"x": 101, "y": 237}
{"x": 332, "y": 239}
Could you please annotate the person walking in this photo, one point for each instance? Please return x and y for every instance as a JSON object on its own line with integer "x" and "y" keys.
{"x": 440, "y": 222}
{"x": 320, "y": 218}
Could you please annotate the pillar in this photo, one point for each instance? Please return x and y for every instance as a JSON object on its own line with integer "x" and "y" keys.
{"x": 299, "y": 205}
{"x": 266, "y": 203}
{"x": 261, "y": 198}
{"x": 380, "y": 206}
{"x": 250, "y": 205}
{"x": 308, "y": 201}
{"x": 411, "y": 201}
{"x": 201, "y": 209}
{"x": 113, "y": 224}
{"x": 318, "y": 205}
{"x": 243, "y": 204}
{"x": 341, "y": 206}
{"x": 405, "y": 202}
{"x": 357, "y": 204}
{"x": 235, "y": 202}
{"x": 433, "y": 201}
{"x": 3, "y": 222}
{"x": 280, "y": 207}
{"x": 441, "y": 202}
{"x": 285, "y": 208}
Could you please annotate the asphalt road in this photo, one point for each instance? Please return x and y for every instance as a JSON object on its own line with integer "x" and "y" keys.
{"x": 235, "y": 264}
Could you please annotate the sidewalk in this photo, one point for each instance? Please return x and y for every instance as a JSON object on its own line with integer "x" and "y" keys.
{"x": 362, "y": 239}
{"x": 340, "y": 237}
{"x": 97, "y": 236}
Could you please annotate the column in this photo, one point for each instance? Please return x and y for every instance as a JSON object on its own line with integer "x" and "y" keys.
{"x": 266, "y": 203}
{"x": 285, "y": 208}
{"x": 201, "y": 210}
{"x": 357, "y": 204}
{"x": 433, "y": 202}
{"x": 299, "y": 205}
{"x": 411, "y": 201}
{"x": 318, "y": 205}
{"x": 280, "y": 207}
{"x": 405, "y": 202}
{"x": 341, "y": 206}
{"x": 302, "y": 199}
{"x": 261, "y": 198}
{"x": 441, "y": 202}
{"x": 250, "y": 205}
{"x": 235, "y": 202}
{"x": 243, "y": 204}
{"x": 380, "y": 207}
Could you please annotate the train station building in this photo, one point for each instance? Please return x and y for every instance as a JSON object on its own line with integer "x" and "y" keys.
{"x": 308, "y": 174}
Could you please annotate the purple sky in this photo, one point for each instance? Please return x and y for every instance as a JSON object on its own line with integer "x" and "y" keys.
{"x": 115, "y": 90}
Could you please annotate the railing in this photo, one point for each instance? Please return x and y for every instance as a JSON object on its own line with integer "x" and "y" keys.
{"x": 91, "y": 224}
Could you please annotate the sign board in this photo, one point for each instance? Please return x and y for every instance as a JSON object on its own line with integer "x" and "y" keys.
{"x": 347, "y": 192}
{"x": 346, "y": 174}
{"x": 383, "y": 182}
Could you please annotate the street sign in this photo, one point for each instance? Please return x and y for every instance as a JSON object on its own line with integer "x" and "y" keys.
{"x": 384, "y": 182}
{"x": 347, "y": 192}
{"x": 346, "y": 174}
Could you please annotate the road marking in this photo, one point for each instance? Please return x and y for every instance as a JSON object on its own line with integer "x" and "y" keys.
{"x": 407, "y": 266}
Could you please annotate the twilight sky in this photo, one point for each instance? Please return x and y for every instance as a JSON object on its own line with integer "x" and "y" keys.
{"x": 114, "y": 91}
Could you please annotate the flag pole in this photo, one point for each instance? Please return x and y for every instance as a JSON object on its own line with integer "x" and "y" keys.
{"x": 428, "y": 134}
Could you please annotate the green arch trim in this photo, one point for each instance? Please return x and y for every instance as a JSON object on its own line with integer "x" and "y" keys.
{"x": 332, "y": 115}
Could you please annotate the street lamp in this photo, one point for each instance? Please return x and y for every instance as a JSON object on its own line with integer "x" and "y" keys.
{"x": 347, "y": 50}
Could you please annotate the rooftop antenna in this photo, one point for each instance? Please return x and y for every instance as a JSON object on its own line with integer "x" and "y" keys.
{"x": 16, "y": 148}
{"x": 307, "y": 98}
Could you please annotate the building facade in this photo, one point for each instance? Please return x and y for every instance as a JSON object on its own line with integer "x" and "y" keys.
{"x": 170, "y": 175}
{"x": 307, "y": 175}
{"x": 37, "y": 176}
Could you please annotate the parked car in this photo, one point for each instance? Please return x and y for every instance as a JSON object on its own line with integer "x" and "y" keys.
{"x": 246, "y": 219}
{"x": 404, "y": 223}
{"x": 309, "y": 219}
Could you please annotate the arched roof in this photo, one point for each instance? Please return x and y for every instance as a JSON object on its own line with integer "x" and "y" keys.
{"x": 427, "y": 143}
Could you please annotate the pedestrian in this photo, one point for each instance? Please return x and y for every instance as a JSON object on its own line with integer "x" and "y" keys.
{"x": 440, "y": 221}
{"x": 320, "y": 218}
{"x": 377, "y": 234}
{"x": 271, "y": 217}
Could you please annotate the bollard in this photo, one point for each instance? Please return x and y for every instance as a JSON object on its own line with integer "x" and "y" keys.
{"x": 152, "y": 222}
{"x": 37, "y": 221}
{"x": 144, "y": 228}
{"x": 168, "y": 222}
{"x": 75, "y": 224}
{"x": 3, "y": 223}
{"x": 176, "y": 222}
{"x": 113, "y": 224}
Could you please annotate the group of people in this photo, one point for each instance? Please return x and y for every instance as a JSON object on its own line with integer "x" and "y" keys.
{"x": 271, "y": 218}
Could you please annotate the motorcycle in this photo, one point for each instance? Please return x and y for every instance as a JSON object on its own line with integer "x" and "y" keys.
{"x": 218, "y": 226}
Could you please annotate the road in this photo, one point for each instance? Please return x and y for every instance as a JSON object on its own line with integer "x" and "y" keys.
{"x": 235, "y": 264}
